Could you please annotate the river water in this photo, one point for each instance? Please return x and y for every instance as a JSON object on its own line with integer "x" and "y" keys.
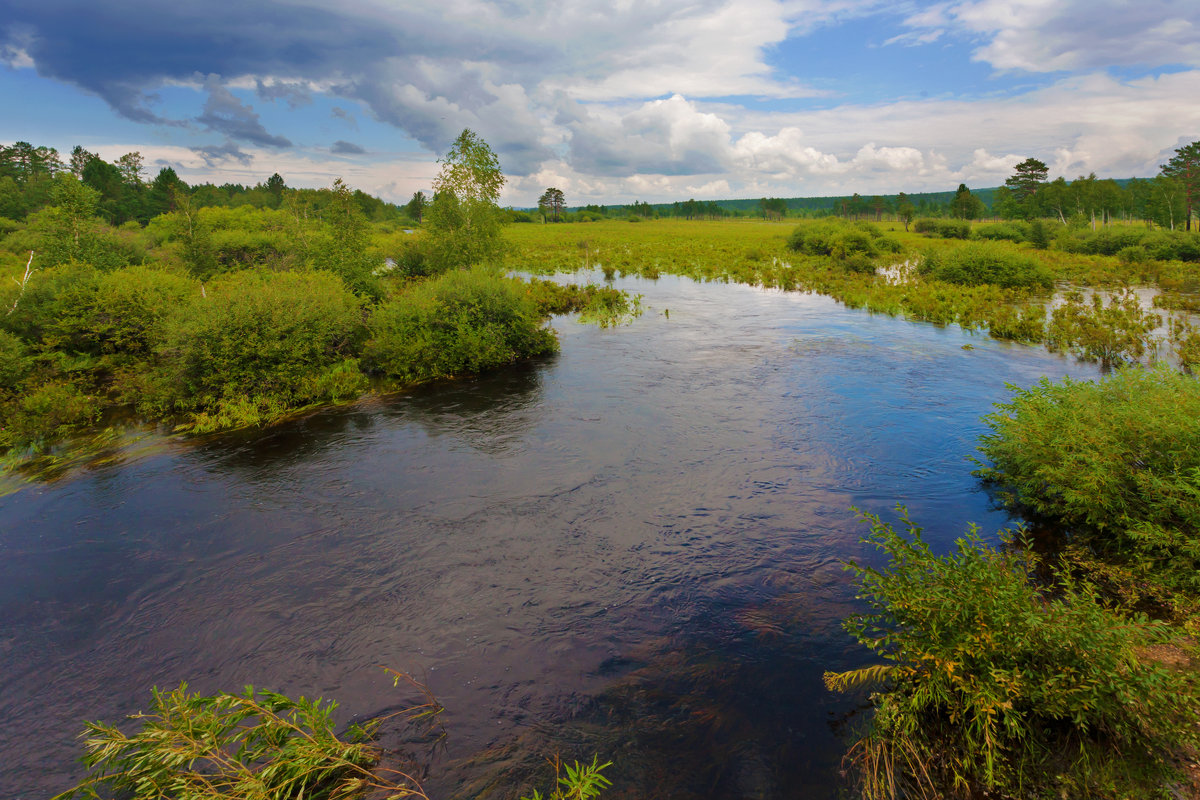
{"x": 632, "y": 548}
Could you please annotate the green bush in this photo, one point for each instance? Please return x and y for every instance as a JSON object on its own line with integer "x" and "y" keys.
{"x": 1006, "y": 231}
{"x": 994, "y": 686}
{"x": 841, "y": 240}
{"x": 1117, "y": 332}
{"x": 945, "y": 228}
{"x": 1116, "y": 463}
{"x": 124, "y": 312}
{"x": 257, "y": 745}
{"x": 14, "y": 361}
{"x": 857, "y": 262}
{"x": 1172, "y": 245}
{"x": 1134, "y": 254}
{"x": 977, "y": 263}
{"x": 465, "y": 321}
{"x": 51, "y": 299}
{"x": 266, "y": 340}
{"x": 46, "y": 414}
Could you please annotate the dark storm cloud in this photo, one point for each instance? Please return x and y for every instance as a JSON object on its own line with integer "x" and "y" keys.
{"x": 342, "y": 114}
{"x": 123, "y": 50}
{"x": 224, "y": 113}
{"x": 118, "y": 49}
{"x": 346, "y": 148}
{"x": 214, "y": 154}
{"x": 295, "y": 94}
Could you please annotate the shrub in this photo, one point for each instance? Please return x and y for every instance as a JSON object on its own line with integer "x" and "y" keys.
{"x": 945, "y": 228}
{"x": 268, "y": 338}
{"x": 1007, "y": 231}
{"x": 258, "y": 745}
{"x": 840, "y": 240}
{"x": 52, "y": 296}
{"x": 1172, "y": 245}
{"x": 124, "y": 312}
{"x": 46, "y": 414}
{"x": 461, "y": 322}
{"x": 977, "y": 263}
{"x": 858, "y": 263}
{"x": 996, "y": 687}
{"x": 1134, "y": 254}
{"x": 1039, "y": 237}
{"x": 14, "y": 361}
{"x": 1116, "y": 463}
{"x": 1121, "y": 331}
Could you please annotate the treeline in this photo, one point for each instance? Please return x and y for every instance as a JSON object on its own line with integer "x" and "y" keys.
{"x": 1168, "y": 200}
{"x": 124, "y": 194}
{"x": 1159, "y": 201}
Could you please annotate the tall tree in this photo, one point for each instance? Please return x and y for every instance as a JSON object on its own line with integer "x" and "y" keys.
{"x": 551, "y": 203}
{"x": 966, "y": 205}
{"x": 415, "y": 208}
{"x": 275, "y": 186}
{"x": 1027, "y": 178}
{"x": 1184, "y": 168}
{"x": 79, "y": 159}
{"x": 905, "y": 210}
{"x": 130, "y": 166}
{"x": 464, "y": 220}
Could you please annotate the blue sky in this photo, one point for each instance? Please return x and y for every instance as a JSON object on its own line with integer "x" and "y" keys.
{"x": 611, "y": 102}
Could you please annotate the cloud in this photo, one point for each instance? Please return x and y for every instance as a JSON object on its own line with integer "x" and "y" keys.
{"x": 666, "y": 137}
{"x": 638, "y": 98}
{"x": 340, "y": 113}
{"x": 224, "y": 113}
{"x": 1072, "y": 35}
{"x": 346, "y": 148}
{"x": 431, "y": 67}
{"x": 218, "y": 154}
{"x": 295, "y": 93}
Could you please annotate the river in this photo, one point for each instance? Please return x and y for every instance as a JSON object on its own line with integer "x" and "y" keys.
{"x": 632, "y": 548}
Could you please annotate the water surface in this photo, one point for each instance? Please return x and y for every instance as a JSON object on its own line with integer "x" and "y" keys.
{"x": 632, "y": 548}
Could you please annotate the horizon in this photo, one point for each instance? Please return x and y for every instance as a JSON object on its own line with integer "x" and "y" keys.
{"x": 655, "y": 102}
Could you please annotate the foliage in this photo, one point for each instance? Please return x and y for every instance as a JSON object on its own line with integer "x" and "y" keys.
{"x": 945, "y": 228}
{"x": 258, "y": 745}
{"x": 1115, "y": 463}
{"x": 14, "y": 361}
{"x": 977, "y": 263}
{"x": 273, "y": 340}
{"x": 603, "y": 305}
{"x": 1117, "y": 332}
{"x": 44, "y": 414}
{"x": 465, "y": 321}
{"x": 123, "y": 313}
{"x": 342, "y": 247}
{"x": 996, "y": 686}
{"x": 463, "y": 221}
{"x": 1008, "y": 231}
{"x": 841, "y": 240}
{"x": 577, "y": 781}
{"x": 1184, "y": 168}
